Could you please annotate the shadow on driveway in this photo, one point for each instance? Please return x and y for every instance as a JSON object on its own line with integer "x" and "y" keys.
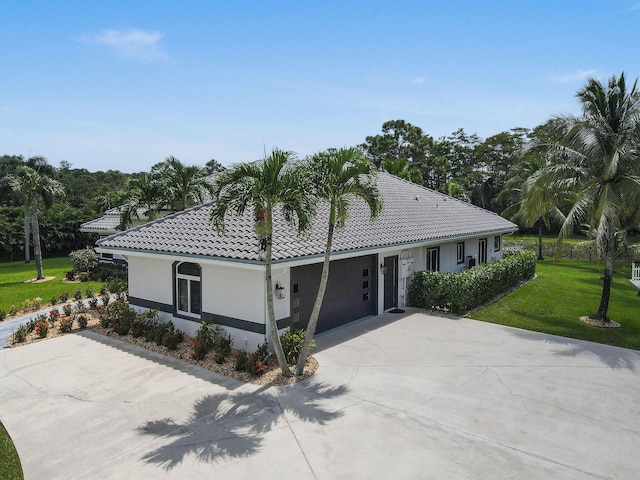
{"x": 613, "y": 357}
{"x": 233, "y": 425}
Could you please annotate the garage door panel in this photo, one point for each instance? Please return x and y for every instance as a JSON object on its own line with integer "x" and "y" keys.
{"x": 350, "y": 292}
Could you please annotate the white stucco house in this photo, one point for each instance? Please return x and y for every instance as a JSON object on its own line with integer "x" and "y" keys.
{"x": 180, "y": 266}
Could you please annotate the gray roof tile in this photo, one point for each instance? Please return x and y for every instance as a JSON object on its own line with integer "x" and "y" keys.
{"x": 410, "y": 214}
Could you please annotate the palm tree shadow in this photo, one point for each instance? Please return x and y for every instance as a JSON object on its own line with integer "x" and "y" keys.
{"x": 232, "y": 425}
{"x": 613, "y": 357}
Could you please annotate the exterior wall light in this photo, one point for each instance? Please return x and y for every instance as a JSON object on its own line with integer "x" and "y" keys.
{"x": 281, "y": 292}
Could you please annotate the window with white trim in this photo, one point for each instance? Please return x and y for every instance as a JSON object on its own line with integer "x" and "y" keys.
{"x": 496, "y": 244}
{"x": 188, "y": 289}
{"x": 433, "y": 259}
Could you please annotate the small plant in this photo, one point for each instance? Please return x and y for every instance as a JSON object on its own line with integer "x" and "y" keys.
{"x": 80, "y": 307}
{"x": 105, "y": 299}
{"x": 66, "y": 324}
{"x": 31, "y": 325}
{"x": 64, "y": 296}
{"x": 104, "y": 321}
{"x": 103, "y": 291}
{"x": 37, "y": 304}
{"x": 27, "y": 305}
{"x": 67, "y": 309}
{"x": 54, "y": 316}
{"x": 258, "y": 360}
{"x": 241, "y": 362}
{"x": 77, "y": 294}
{"x": 88, "y": 292}
{"x": 199, "y": 350}
{"x": 117, "y": 285}
{"x": 93, "y": 303}
{"x": 84, "y": 260}
{"x": 223, "y": 348}
{"x": 171, "y": 340}
{"x": 292, "y": 341}
{"x": 20, "y": 335}
{"x": 13, "y": 311}
{"x": 83, "y": 322}
{"x": 3, "y": 315}
{"x": 42, "y": 329}
{"x": 54, "y": 300}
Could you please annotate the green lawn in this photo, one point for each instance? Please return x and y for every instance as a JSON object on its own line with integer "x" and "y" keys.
{"x": 10, "y": 468}
{"x": 561, "y": 294}
{"x": 546, "y": 239}
{"x": 14, "y": 291}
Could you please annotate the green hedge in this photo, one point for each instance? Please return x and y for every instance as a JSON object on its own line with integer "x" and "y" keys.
{"x": 461, "y": 292}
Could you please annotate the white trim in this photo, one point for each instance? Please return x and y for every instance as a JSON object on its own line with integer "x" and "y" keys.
{"x": 635, "y": 271}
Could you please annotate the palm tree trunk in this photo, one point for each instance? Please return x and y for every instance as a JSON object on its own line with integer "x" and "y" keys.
{"x": 37, "y": 250}
{"x": 273, "y": 326}
{"x": 27, "y": 233}
{"x": 606, "y": 284}
{"x": 540, "y": 257}
{"x": 315, "y": 313}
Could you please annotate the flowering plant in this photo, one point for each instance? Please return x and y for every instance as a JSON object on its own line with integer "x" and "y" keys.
{"x": 66, "y": 324}
{"x": 54, "y": 316}
{"x": 64, "y": 296}
{"x": 260, "y": 367}
{"x": 42, "y": 328}
{"x": 199, "y": 350}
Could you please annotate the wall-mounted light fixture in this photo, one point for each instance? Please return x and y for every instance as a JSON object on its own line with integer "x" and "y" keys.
{"x": 281, "y": 292}
{"x": 383, "y": 269}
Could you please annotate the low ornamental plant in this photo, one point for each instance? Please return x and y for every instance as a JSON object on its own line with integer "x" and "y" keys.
{"x": 13, "y": 311}
{"x": 82, "y": 322}
{"x": 3, "y": 315}
{"x": 54, "y": 300}
{"x": 42, "y": 329}
{"x": 199, "y": 350}
{"x": 93, "y": 303}
{"x": 77, "y": 294}
{"x": 20, "y": 335}
{"x": 54, "y": 316}
{"x": 64, "y": 296}
{"x": 27, "y": 305}
{"x": 37, "y": 304}
{"x": 88, "y": 292}
{"x": 241, "y": 362}
{"x": 292, "y": 341}
{"x": 80, "y": 307}
{"x": 66, "y": 324}
{"x": 67, "y": 309}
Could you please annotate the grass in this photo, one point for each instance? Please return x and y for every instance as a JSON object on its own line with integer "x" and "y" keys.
{"x": 14, "y": 290}
{"x": 546, "y": 239}
{"x": 563, "y": 292}
{"x": 10, "y": 468}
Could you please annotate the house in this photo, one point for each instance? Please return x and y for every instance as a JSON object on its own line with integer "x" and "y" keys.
{"x": 180, "y": 266}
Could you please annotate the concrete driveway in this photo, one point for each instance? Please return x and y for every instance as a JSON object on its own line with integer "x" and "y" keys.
{"x": 396, "y": 396}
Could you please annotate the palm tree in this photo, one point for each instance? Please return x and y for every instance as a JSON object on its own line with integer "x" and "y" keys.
{"x": 274, "y": 182}
{"x": 33, "y": 186}
{"x": 339, "y": 175}
{"x": 598, "y": 159}
{"x": 144, "y": 194}
{"x": 183, "y": 185}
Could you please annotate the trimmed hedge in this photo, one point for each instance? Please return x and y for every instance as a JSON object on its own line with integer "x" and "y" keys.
{"x": 461, "y": 292}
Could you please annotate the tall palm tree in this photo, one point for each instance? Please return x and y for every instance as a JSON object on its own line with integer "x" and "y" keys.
{"x": 33, "y": 186}
{"x": 183, "y": 185}
{"x": 339, "y": 176}
{"x": 598, "y": 159}
{"x": 274, "y": 182}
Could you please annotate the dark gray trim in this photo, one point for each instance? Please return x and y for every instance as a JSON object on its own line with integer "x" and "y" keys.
{"x": 141, "y": 302}
{"x": 231, "y": 322}
{"x": 284, "y": 323}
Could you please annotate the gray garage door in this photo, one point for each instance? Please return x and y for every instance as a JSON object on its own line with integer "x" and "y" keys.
{"x": 351, "y": 292}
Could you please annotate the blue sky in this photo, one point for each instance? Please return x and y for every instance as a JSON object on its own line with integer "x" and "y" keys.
{"x": 122, "y": 85}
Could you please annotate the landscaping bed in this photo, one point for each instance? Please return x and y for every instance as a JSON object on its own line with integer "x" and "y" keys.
{"x": 185, "y": 349}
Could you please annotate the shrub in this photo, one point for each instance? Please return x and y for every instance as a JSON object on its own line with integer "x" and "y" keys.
{"x": 31, "y": 325}
{"x": 199, "y": 350}
{"x": 292, "y": 341}
{"x": 67, "y": 309}
{"x": 117, "y": 285}
{"x": 13, "y": 311}
{"x": 84, "y": 260}
{"x": 80, "y": 307}
{"x": 223, "y": 346}
{"x": 42, "y": 329}
{"x": 27, "y": 305}
{"x": 37, "y": 303}
{"x": 64, "y": 296}
{"x": 258, "y": 360}
{"x": 104, "y": 321}
{"x": 461, "y": 292}
{"x": 77, "y": 294}
{"x": 138, "y": 327}
{"x": 54, "y": 300}
{"x": 66, "y": 324}
{"x": 103, "y": 291}
{"x": 171, "y": 340}
{"x": 93, "y": 303}
{"x": 241, "y": 362}
{"x": 83, "y": 322}
{"x": 119, "y": 316}
{"x": 88, "y": 292}
{"x": 20, "y": 335}
{"x": 105, "y": 299}
{"x": 54, "y": 316}
{"x": 3, "y": 315}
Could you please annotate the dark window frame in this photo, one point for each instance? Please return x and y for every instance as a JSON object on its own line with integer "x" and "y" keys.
{"x": 460, "y": 252}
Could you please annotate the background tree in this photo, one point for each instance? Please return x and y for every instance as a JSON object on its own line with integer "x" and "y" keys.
{"x": 182, "y": 186}
{"x": 339, "y": 176}
{"x": 145, "y": 194}
{"x": 275, "y": 182}
{"x": 34, "y": 187}
{"x": 598, "y": 159}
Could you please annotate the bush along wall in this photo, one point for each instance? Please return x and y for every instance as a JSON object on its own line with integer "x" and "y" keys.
{"x": 461, "y": 292}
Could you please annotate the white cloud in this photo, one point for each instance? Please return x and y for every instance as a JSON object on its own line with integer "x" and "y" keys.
{"x": 133, "y": 44}
{"x": 574, "y": 77}
{"x": 418, "y": 80}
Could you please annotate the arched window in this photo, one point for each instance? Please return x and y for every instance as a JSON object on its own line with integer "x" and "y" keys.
{"x": 188, "y": 289}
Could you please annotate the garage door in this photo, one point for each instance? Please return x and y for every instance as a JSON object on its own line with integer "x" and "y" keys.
{"x": 351, "y": 292}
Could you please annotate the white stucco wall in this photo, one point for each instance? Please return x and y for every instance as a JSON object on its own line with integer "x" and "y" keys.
{"x": 151, "y": 279}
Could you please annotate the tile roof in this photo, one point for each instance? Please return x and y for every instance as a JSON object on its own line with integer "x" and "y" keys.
{"x": 106, "y": 223}
{"x": 410, "y": 214}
